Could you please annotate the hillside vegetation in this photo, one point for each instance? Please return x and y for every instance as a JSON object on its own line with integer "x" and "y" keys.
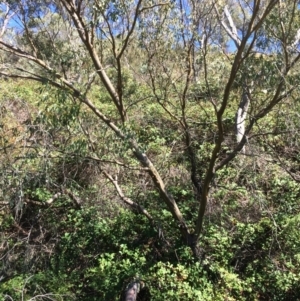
{"x": 155, "y": 142}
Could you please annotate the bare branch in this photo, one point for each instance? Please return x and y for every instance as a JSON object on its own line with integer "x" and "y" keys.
{"x": 126, "y": 199}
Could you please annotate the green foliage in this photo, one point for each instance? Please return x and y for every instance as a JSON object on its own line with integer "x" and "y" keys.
{"x": 95, "y": 258}
{"x": 250, "y": 246}
{"x": 66, "y": 233}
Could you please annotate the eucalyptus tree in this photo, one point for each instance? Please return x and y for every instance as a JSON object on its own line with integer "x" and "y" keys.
{"x": 191, "y": 54}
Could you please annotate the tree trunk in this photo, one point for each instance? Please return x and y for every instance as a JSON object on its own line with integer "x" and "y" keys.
{"x": 241, "y": 116}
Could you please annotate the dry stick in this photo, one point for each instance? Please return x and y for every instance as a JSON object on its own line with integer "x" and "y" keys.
{"x": 115, "y": 182}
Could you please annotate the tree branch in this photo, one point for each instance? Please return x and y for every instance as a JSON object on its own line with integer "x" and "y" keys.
{"x": 85, "y": 36}
{"x": 125, "y": 199}
{"x": 65, "y": 85}
{"x": 232, "y": 32}
{"x": 7, "y": 17}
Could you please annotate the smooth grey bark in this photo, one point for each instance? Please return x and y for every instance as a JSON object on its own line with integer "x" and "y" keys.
{"x": 241, "y": 116}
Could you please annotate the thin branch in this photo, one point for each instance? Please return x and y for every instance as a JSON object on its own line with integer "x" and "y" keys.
{"x": 266, "y": 12}
{"x": 188, "y": 140}
{"x": 153, "y": 6}
{"x": 130, "y": 32}
{"x": 28, "y": 34}
{"x": 117, "y": 163}
{"x": 269, "y": 133}
{"x": 76, "y": 200}
{"x": 253, "y": 120}
{"x": 126, "y": 199}
{"x": 296, "y": 178}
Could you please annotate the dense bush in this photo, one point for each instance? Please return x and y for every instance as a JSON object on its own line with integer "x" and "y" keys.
{"x": 152, "y": 142}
